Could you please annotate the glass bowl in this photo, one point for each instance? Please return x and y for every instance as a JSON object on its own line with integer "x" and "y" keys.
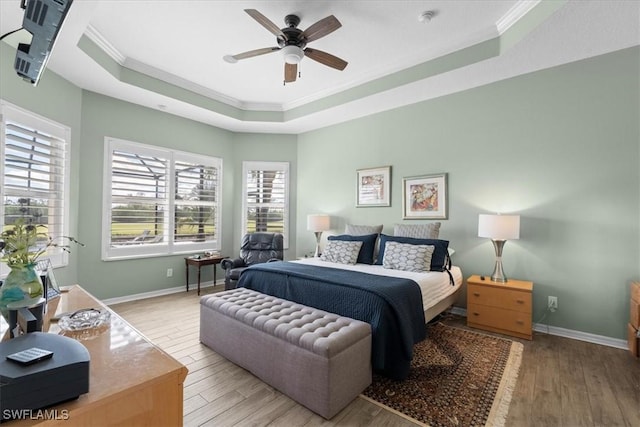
{"x": 84, "y": 319}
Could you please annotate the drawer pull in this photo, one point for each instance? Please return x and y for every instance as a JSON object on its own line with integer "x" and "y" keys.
{"x": 520, "y": 301}
{"x": 519, "y": 322}
{"x": 476, "y": 294}
{"x": 476, "y": 314}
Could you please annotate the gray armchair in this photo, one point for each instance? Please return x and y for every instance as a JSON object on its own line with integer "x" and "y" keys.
{"x": 256, "y": 248}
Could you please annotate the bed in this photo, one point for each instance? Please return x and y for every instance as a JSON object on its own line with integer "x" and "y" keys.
{"x": 438, "y": 292}
{"x": 396, "y": 303}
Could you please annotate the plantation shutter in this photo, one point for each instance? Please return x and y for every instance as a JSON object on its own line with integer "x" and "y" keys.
{"x": 266, "y": 197}
{"x": 34, "y": 172}
{"x": 138, "y": 197}
{"x": 196, "y": 201}
{"x": 159, "y": 201}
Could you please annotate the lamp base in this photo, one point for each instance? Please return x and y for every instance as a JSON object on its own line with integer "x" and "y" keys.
{"x": 498, "y": 273}
{"x": 318, "y": 237}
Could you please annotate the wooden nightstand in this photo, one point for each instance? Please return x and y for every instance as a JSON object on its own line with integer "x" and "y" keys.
{"x": 500, "y": 307}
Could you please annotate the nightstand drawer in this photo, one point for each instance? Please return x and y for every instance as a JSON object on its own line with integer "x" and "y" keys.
{"x": 499, "y": 319}
{"x": 635, "y": 314}
{"x": 499, "y": 297}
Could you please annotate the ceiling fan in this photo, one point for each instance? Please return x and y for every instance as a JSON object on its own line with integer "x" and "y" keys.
{"x": 292, "y": 42}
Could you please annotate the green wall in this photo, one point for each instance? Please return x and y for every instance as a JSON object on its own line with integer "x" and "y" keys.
{"x": 55, "y": 99}
{"x": 560, "y": 147}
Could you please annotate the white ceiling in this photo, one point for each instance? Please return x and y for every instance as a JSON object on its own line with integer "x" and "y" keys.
{"x": 183, "y": 43}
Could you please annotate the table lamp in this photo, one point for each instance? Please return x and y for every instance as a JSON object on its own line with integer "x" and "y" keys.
{"x": 499, "y": 228}
{"x": 318, "y": 223}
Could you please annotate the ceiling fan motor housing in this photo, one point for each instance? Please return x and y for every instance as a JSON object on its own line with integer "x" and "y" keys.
{"x": 292, "y": 33}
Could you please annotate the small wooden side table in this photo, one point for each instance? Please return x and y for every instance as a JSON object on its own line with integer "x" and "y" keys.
{"x": 500, "y": 307}
{"x": 199, "y": 262}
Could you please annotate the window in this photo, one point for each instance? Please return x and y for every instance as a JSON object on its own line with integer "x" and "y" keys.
{"x": 35, "y": 176}
{"x": 265, "y": 198}
{"x": 159, "y": 201}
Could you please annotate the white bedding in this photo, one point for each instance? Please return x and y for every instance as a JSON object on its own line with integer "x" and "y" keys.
{"x": 435, "y": 286}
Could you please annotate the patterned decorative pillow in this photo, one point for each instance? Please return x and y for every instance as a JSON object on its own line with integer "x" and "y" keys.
{"x": 418, "y": 231}
{"x": 361, "y": 230}
{"x": 439, "y": 259}
{"x": 341, "y": 251}
{"x": 366, "y": 255}
{"x": 407, "y": 257}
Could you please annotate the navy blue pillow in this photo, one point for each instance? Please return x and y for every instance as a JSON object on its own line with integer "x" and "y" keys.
{"x": 440, "y": 253}
{"x": 365, "y": 256}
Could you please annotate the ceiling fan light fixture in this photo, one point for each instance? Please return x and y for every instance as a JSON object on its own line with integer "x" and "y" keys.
{"x": 292, "y": 54}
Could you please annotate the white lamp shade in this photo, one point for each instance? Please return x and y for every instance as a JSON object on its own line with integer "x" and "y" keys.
{"x": 499, "y": 227}
{"x": 318, "y": 222}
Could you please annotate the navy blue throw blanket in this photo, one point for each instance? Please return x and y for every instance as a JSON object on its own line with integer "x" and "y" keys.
{"x": 391, "y": 305}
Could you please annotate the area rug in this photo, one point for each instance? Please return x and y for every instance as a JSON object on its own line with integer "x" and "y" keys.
{"x": 457, "y": 378}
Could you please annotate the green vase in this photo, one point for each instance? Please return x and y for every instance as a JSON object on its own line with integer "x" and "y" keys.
{"x": 22, "y": 282}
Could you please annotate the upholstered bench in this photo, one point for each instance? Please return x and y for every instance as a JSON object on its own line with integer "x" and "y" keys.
{"x": 319, "y": 359}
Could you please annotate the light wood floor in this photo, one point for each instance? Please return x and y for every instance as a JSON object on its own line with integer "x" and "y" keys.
{"x": 562, "y": 382}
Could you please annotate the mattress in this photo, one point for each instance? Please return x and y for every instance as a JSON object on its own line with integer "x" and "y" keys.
{"x": 435, "y": 286}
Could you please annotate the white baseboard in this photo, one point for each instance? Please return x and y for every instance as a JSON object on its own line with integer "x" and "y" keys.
{"x": 538, "y": 327}
{"x": 158, "y": 293}
{"x": 566, "y": 333}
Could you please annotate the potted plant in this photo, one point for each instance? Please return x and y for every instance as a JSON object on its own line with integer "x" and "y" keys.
{"x": 19, "y": 251}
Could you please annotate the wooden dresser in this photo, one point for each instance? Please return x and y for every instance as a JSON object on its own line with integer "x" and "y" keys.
{"x": 500, "y": 307}
{"x": 634, "y": 320}
{"x": 132, "y": 382}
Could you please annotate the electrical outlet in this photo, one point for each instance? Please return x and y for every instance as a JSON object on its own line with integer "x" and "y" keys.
{"x": 552, "y": 303}
{"x": 169, "y": 272}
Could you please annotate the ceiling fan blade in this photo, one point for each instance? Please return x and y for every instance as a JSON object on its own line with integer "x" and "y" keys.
{"x": 251, "y": 53}
{"x": 266, "y": 23}
{"x": 326, "y": 58}
{"x": 321, "y": 28}
{"x": 290, "y": 72}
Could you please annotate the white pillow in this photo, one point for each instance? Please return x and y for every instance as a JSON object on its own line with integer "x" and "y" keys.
{"x": 418, "y": 231}
{"x": 341, "y": 251}
{"x": 361, "y": 230}
{"x": 407, "y": 257}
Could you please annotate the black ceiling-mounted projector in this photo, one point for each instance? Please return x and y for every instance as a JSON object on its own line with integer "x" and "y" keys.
{"x": 43, "y": 19}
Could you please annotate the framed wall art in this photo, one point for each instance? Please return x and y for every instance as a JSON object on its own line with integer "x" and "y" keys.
{"x": 373, "y": 187}
{"x": 425, "y": 197}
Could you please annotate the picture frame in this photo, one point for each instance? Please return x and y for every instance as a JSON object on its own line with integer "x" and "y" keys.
{"x": 49, "y": 282}
{"x": 373, "y": 187}
{"x": 425, "y": 197}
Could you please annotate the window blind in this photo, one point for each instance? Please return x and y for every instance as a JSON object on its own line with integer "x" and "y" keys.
{"x": 196, "y": 201}
{"x": 160, "y": 202}
{"x": 266, "y": 197}
{"x": 138, "y": 198}
{"x": 34, "y": 174}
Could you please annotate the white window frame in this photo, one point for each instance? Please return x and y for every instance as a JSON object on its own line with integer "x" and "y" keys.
{"x": 13, "y": 113}
{"x": 261, "y": 165}
{"x": 167, "y": 246}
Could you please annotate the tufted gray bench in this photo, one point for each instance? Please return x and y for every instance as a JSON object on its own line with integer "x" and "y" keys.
{"x": 319, "y": 359}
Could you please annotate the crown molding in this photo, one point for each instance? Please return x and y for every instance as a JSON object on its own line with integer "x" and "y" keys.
{"x": 437, "y": 51}
{"x": 95, "y": 36}
{"x": 514, "y": 14}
